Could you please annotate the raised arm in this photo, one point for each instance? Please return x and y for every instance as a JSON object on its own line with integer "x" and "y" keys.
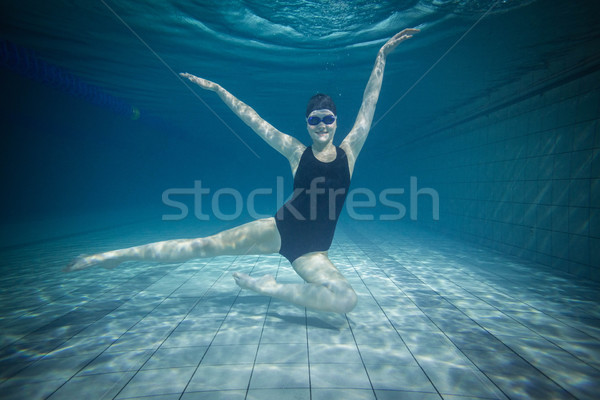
{"x": 354, "y": 141}
{"x": 287, "y": 145}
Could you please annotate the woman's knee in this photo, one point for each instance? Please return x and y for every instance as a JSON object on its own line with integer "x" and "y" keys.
{"x": 350, "y": 300}
{"x": 346, "y": 297}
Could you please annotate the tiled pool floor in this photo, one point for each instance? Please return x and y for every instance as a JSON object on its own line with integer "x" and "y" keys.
{"x": 436, "y": 319}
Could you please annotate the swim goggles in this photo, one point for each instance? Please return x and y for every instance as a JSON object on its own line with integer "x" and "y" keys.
{"x": 327, "y": 120}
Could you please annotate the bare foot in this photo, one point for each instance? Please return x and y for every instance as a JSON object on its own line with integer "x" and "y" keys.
{"x": 262, "y": 285}
{"x": 84, "y": 262}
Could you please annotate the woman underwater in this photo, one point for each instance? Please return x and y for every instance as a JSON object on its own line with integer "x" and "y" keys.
{"x": 302, "y": 230}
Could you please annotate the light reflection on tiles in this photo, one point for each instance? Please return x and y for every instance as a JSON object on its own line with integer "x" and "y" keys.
{"x": 436, "y": 319}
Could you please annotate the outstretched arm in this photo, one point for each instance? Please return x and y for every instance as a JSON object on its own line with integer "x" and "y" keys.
{"x": 355, "y": 140}
{"x": 287, "y": 145}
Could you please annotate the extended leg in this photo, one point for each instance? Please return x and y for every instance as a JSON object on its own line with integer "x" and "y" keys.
{"x": 256, "y": 237}
{"x": 326, "y": 289}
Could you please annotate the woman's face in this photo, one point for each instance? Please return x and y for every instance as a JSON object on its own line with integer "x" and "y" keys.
{"x": 321, "y": 133}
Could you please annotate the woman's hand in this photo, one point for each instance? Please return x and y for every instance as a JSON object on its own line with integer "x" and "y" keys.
{"x": 203, "y": 83}
{"x": 391, "y": 44}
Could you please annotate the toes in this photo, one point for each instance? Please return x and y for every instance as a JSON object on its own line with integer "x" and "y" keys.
{"x": 239, "y": 278}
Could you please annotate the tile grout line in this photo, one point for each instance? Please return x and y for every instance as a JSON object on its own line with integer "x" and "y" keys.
{"x": 360, "y": 354}
{"x": 79, "y": 306}
{"x": 517, "y": 299}
{"x": 65, "y": 341}
{"x": 458, "y": 348}
{"x": 93, "y": 359}
{"x": 218, "y": 329}
{"x": 388, "y": 319}
{"x": 400, "y": 336}
{"x": 171, "y": 331}
{"x": 261, "y": 332}
{"x": 310, "y": 388}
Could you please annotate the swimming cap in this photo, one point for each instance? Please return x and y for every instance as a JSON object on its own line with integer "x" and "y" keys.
{"x": 320, "y": 101}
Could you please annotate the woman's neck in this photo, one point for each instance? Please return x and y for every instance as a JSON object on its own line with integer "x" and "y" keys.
{"x": 324, "y": 152}
{"x": 323, "y": 147}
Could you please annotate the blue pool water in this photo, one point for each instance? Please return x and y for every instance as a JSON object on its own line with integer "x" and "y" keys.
{"x": 477, "y": 275}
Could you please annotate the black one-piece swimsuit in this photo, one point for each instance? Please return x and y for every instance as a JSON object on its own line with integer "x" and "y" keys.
{"x": 306, "y": 223}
